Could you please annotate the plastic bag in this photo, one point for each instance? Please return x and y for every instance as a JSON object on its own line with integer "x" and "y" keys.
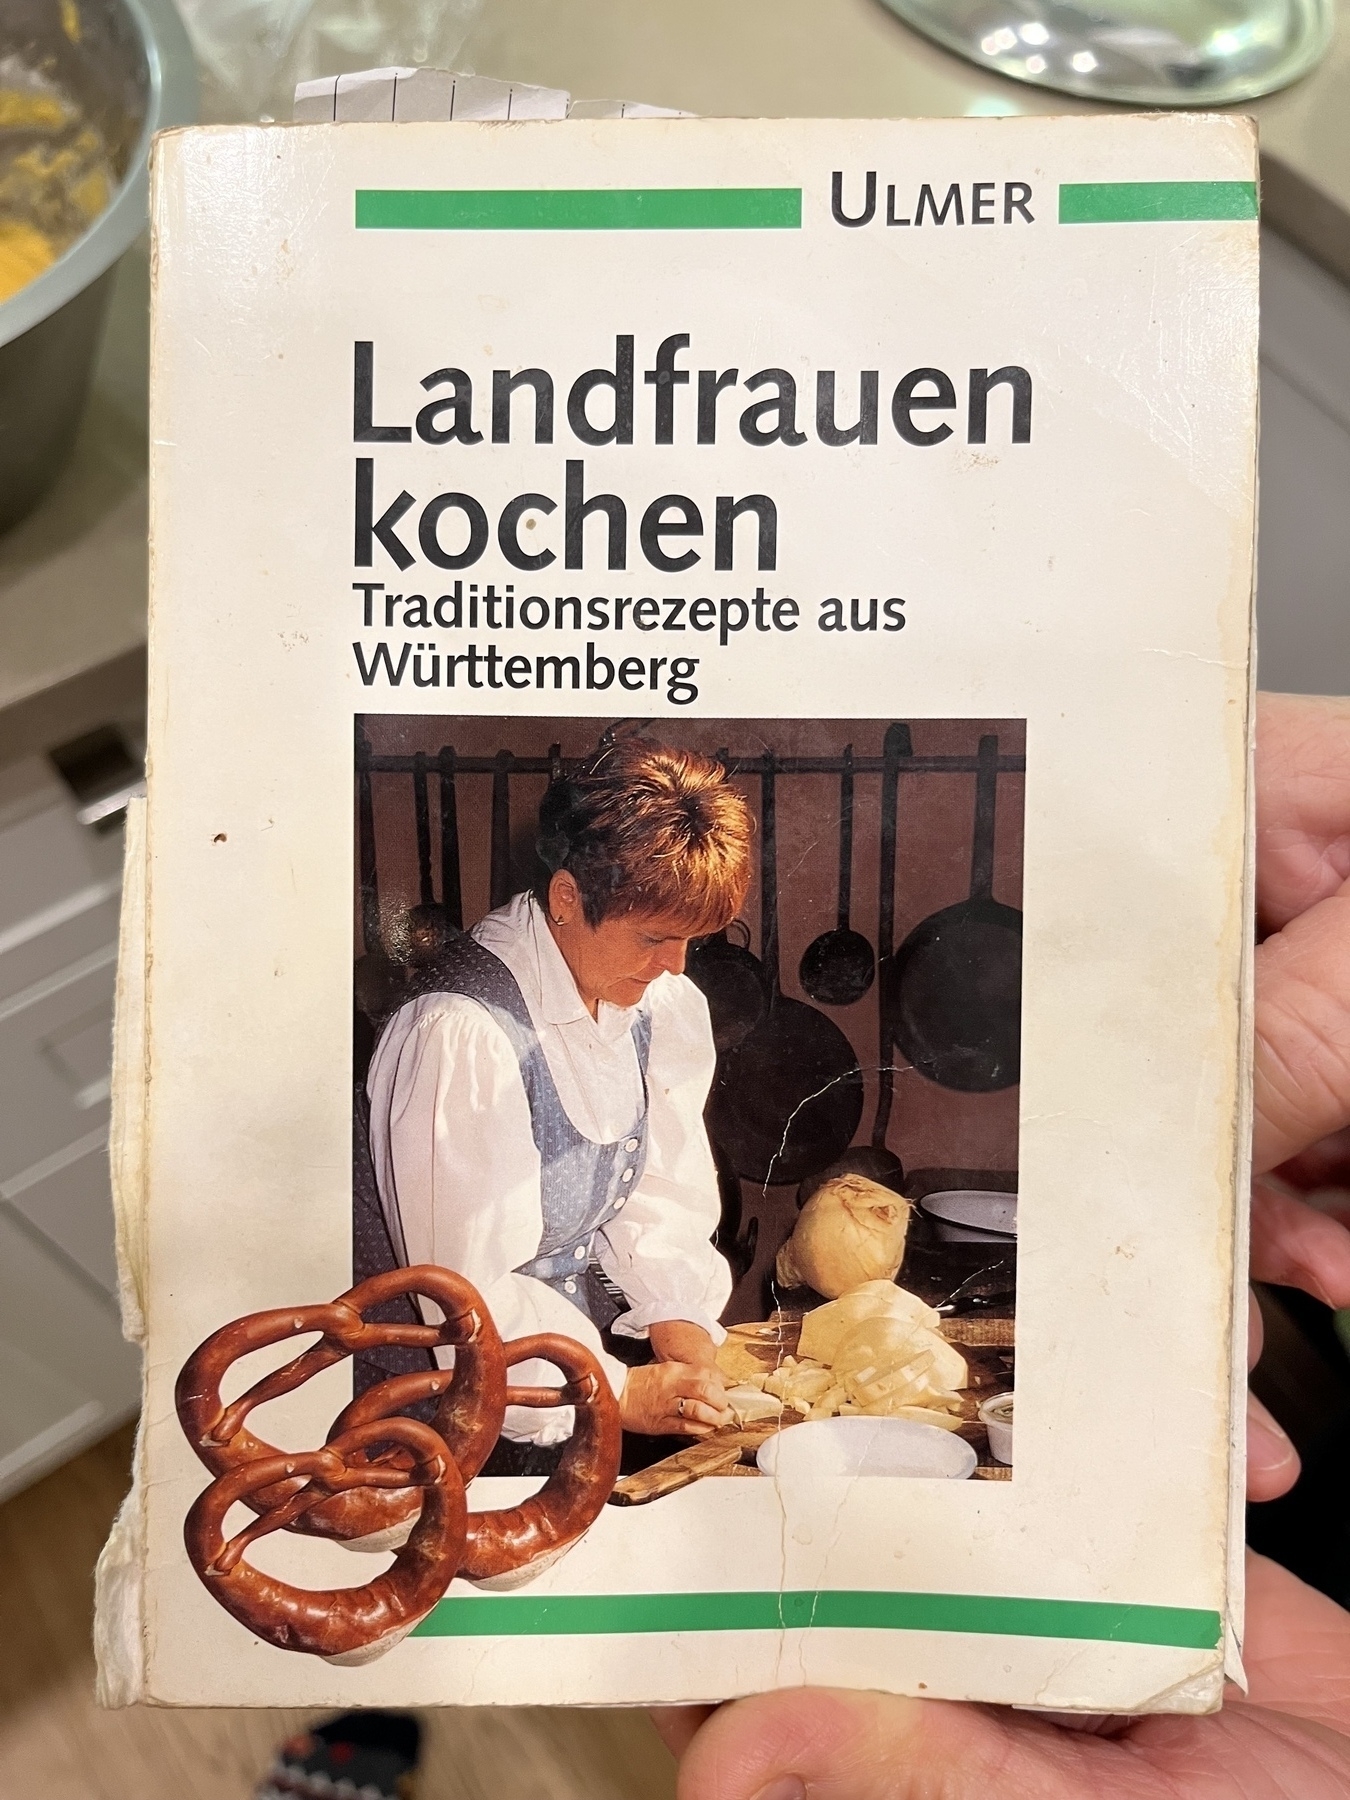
{"x": 253, "y": 52}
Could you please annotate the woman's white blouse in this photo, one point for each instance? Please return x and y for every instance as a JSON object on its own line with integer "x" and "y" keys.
{"x": 458, "y": 1170}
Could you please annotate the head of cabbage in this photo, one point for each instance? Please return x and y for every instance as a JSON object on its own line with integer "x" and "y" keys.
{"x": 851, "y": 1230}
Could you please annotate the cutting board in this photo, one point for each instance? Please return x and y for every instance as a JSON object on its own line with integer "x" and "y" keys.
{"x": 726, "y": 1452}
{"x": 757, "y": 1349}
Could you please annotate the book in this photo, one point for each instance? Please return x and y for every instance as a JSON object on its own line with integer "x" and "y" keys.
{"x": 688, "y": 947}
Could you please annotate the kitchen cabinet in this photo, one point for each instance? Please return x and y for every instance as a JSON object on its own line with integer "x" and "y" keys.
{"x": 54, "y": 1066}
{"x": 66, "y": 1374}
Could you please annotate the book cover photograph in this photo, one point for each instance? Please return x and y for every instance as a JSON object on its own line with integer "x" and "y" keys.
{"x": 685, "y": 952}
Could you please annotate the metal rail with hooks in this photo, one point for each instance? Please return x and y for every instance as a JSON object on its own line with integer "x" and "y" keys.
{"x": 447, "y": 764}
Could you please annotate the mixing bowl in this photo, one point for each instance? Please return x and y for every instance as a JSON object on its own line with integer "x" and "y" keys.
{"x": 127, "y": 67}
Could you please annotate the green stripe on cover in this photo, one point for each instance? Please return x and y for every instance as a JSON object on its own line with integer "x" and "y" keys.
{"x": 1154, "y": 202}
{"x": 583, "y": 1615}
{"x": 578, "y": 209}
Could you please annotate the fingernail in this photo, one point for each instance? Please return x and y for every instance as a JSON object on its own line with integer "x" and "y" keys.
{"x": 787, "y": 1787}
{"x": 1267, "y": 1445}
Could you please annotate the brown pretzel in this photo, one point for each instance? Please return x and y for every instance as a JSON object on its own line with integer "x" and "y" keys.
{"x": 467, "y": 1419}
{"x": 381, "y": 1401}
{"x": 530, "y": 1536}
{"x": 345, "y": 1623}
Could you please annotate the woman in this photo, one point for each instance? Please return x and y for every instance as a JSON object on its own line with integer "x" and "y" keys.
{"x": 540, "y": 1129}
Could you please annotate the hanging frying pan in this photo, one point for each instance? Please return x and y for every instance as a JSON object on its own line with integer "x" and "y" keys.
{"x": 378, "y": 987}
{"x": 452, "y": 885}
{"x": 427, "y": 927}
{"x": 954, "y": 987}
{"x": 787, "y": 1100}
{"x": 426, "y": 894}
{"x": 732, "y": 980}
{"x": 499, "y": 878}
{"x": 874, "y": 1160}
{"x": 377, "y": 981}
{"x": 737, "y": 1246}
{"x": 365, "y": 809}
{"x": 837, "y": 967}
{"x": 731, "y": 977}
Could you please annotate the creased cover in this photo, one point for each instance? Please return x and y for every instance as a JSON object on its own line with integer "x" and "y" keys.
{"x": 130, "y": 1082}
{"x": 119, "y": 1610}
{"x": 698, "y": 825}
{"x": 1237, "y": 1473}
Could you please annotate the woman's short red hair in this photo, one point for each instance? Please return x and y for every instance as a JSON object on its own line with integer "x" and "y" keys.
{"x": 644, "y": 828}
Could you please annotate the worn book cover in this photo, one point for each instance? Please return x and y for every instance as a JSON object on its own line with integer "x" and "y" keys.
{"x": 687, "y": 948}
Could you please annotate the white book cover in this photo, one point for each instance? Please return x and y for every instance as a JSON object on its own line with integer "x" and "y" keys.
{"x": 695, "y": 886}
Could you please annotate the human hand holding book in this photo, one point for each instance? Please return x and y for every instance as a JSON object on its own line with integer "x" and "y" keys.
{"x": 1291, "y": 1732}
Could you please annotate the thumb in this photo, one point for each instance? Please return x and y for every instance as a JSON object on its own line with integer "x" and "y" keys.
{"x": 829, "y": 1744}
{"x": 1297, "y": 1653}
{"x": 1303, "y": 1032}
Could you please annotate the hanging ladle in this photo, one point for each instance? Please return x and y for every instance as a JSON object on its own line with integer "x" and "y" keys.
{"x": 877, "y": 1161}
{"x": 838, "y": 967}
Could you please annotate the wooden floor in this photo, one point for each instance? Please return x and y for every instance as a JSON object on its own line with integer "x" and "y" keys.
{"x": 55, "y": 1744}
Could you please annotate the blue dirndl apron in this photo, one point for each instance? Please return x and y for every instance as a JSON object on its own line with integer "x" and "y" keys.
{"x": 582, "y": 1184}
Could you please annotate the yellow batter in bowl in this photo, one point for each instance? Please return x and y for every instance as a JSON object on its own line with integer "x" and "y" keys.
{"x": 55, "y": 180}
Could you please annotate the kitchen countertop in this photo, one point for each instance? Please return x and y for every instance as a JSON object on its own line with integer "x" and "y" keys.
{"x": 73, "y": 575}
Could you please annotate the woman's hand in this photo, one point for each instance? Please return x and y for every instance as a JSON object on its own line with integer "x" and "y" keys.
{"x": 678, "y": 1340}
{"x": 665, "y": 1399}
{"x": 1291, "y": 1735}
{"x": 685, "y": 1370}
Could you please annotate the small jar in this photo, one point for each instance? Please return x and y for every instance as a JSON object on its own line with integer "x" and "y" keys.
{"x": 996, "y": 1415}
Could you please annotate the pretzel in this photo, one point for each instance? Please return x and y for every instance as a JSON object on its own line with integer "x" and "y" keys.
{"x": 513, "y": 1545}
{"x": 472, "y": 1398}
{"x": 395, "y": 1395}
{"x": 343, "y": 1624}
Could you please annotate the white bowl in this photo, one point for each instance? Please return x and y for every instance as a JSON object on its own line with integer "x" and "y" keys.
{"x": 996, "y": 1417}
{"x": 831, "y": 1449}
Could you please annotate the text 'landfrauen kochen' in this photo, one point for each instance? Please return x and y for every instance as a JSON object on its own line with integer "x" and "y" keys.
{"x": 454, "y": 529}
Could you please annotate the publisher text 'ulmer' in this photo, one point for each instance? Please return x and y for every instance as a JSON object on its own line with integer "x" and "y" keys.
{"x": 853, "y": 202}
